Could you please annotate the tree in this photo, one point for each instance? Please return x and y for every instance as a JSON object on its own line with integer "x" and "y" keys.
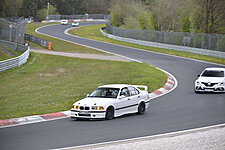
{"x": 165, "y": 13}
{"x": 41, "y": 14}
{"x": 10, "y": 8}
{"x": 29, "y": 8}
{"x": 131, "y": 14}
{"x": 118, "y": 10}
{"x": 206, "y": 16}
{"x": 185, "y": 24}
{"x": 2, "y": 4}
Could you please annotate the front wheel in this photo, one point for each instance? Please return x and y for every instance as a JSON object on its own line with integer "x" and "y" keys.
{"x": 141, "y": 108}
{"x": 196, "y": 91}
{"x": 109, "y": 113}
{"x": 73, "y": 118}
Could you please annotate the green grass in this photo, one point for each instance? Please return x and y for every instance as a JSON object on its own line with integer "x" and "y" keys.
{"x": 58, "y": 45}
{"x": 49, "y": 83}
{"x": 4, "y": 56}
{"x": 92, "y": 32}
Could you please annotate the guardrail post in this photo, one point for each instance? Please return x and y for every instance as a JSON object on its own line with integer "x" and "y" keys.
{"x": 218, "y": 42}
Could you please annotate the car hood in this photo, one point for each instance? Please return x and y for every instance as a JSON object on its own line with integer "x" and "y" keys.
{"x": 211, "y": 79}
{"x": 91, "y": 101}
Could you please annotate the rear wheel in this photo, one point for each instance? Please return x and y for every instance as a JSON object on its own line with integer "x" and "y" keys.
{"x": 109, "y": 113}
{"x": 141, "y": 108}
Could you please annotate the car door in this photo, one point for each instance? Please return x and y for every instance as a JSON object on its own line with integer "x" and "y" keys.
{"x": 122, "y": 106}
{"x": 134, "y": 99}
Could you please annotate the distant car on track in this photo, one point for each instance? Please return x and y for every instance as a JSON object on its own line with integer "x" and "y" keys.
{"x": 211, "y": 80}
{"x": 75, "y": 24}
{"x": 64, "y": 22}
{"x": 109, "y": 101}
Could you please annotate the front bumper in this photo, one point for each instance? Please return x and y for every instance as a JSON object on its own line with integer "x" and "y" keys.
{"x": 215, "y": 88}
{"x": 87, "y": 114}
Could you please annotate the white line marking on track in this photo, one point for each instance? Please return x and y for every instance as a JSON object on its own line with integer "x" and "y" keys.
{"x": 145, "y": 50}
{"x": 84, "y": 45}
{"x": 145, "y": 138}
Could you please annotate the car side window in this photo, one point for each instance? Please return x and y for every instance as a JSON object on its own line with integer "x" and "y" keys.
{"x": 125, "y": 92}
{"x": 133, "y": 91}
{"x": 137, "y": 92}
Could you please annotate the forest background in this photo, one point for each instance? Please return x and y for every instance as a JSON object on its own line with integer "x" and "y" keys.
{"x": 198, "y": 16}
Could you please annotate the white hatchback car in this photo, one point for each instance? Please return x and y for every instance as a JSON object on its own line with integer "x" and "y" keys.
{"x": 64, "y": 22}
{"x": 75, "y": 24}
{"x": 111, "y": 101}
{"x": 211, "y": 80}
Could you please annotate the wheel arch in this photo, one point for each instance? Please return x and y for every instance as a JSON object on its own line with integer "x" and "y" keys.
{"x": 140, "y": 102}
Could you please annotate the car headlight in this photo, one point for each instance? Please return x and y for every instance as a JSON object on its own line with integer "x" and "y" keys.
{"x": 221, "y": 83}
{"x": 97, "y": 108}
{"x": 75, "y": 107}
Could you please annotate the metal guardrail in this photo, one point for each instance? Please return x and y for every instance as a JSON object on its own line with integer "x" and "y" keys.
{"x": 36, "y": 40}
{"x": 14, "y": 62}
{"x": 12, "y": 36}
{"x": 86, "y": 16}
{"x": 200, "y": 51}
{"x": 195, "y": 40}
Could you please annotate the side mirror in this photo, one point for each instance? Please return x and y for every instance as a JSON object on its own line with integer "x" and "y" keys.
{"x": 121, "y": 97}
{"x": 87, "y": 95}
{"x": 198, "y": 75}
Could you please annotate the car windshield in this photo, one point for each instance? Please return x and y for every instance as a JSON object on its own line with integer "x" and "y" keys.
{"x": 213, "y": 73}
{"x": 105, "y": 93}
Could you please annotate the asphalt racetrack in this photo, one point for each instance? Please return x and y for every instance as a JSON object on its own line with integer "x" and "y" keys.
{"x": 178, "y": 110}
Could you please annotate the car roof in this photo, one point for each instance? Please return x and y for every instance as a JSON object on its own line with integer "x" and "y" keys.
{"x": 115, "y": 86}
{"x": 223, "y": 69}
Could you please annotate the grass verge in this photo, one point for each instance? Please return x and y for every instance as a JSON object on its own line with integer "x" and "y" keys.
{"x": 4, "y": 56}
{"x": 58, "y": 45}
{"x": 49, "y": 83}
{"x": 92, "y": 32}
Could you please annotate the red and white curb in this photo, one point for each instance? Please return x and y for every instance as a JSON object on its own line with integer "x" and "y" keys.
{"x": 168, "y": 87}
{"x": 33, "y": 119}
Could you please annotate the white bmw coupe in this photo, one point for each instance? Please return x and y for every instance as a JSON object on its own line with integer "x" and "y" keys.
{"x": 211, "y": 80}
{"x": 111, "y": 101}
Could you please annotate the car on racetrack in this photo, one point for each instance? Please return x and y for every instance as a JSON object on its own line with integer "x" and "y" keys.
{"x": 211, "y": 80}
{"x": 109, "y": 101}
{"x": 75, "y": 24}
{"x": 64, "y": 22}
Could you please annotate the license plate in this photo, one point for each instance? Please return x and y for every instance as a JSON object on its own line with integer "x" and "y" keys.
{"x": 209, "y": 90}
{"x": 84, "y": 112}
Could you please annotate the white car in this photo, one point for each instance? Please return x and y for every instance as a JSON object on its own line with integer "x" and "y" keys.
{"x": 75, "y": 24}
{"x": 211, "y": 80}
{"x": 64, "y": 22}
{"x": 111, "y": 101}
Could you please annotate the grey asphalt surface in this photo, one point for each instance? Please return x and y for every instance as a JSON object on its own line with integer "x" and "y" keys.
{"x": 82, "y": 55}
{"x": 179, "y": 110}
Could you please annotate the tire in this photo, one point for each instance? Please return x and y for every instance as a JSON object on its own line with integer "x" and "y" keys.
{"x": 109, "y": 113}
{"x": 141, "y": 108}
{"x": 197, "y": 92}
